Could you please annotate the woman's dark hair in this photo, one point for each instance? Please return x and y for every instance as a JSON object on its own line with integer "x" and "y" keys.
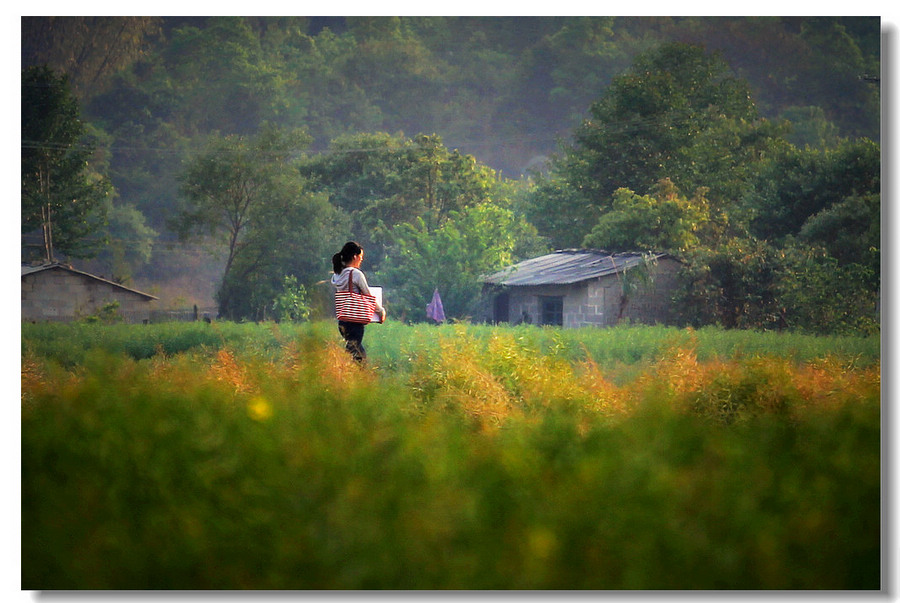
{"x": 350, "y": 250}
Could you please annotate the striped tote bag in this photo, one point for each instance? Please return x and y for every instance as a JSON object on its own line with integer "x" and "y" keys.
{"x": 351, "y": 306}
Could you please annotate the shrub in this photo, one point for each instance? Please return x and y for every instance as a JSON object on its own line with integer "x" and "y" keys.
{"x": 460, "y": 458}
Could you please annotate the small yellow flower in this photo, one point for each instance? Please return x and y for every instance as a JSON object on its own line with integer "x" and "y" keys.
{"x": 259, "y": 409}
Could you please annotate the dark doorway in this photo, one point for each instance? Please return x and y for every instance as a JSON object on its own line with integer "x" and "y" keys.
{"x": 501, "y": 308}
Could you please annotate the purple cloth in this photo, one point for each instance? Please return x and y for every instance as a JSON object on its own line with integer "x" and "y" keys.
{"x": 435, "y": 310}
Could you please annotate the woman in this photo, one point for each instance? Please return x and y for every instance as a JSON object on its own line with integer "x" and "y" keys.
{"x": 345, "y": 264}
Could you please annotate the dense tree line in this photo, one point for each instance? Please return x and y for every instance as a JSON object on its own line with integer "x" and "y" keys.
{"x": 774, "y": 236}
{"x": 753, "y": 155}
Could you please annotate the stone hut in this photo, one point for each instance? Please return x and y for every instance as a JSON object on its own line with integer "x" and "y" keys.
{"x": 583, "y": 287}
{"x": 58, "y": 292}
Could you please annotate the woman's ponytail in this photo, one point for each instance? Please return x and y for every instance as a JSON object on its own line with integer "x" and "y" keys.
{"x": 350, "y": 250}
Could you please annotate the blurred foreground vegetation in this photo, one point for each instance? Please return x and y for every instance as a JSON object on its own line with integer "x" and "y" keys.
{"x": 248, "y": 456}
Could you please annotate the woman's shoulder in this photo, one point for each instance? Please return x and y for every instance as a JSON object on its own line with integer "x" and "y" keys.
{"x": 353, "y": 271}
{"x": 345, "y": 274}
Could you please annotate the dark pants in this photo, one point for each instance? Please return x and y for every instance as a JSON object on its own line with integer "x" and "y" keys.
{"x": 353, "y": 332}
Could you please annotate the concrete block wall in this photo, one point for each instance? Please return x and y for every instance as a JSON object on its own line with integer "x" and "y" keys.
{"x": 526, "y": 301}
{"x": 597, "y": 302}
{"x": 582, "y": 303}
{"x": 59, "y": 295}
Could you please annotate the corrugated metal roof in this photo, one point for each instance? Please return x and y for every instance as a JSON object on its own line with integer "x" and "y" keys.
{"x": 565, "y": 266}
{"x": 26, "y": 270}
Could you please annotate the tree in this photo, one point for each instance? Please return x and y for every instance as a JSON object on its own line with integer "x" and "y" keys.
{"x": 129, "y": 241}
{"x": 850, "y": 232}
{"x": 227, "y": 185}
{"x": 559, "y": 212}
{"x": 249, "y": 192}
{"x": 665, "y": 221}
{"x": 732, "y": 284}
{"x": 471, "y": 242}
{"x": 382, "y": 181}
{"x": 818, "y": 294}
{"x": 641, "y": 129}
{"x": 61, "y": 194}
{"x": 751, "y": 284}
{"x": 794, "y": 184}
{"x": 88, "y": 49}
{"x": 678, "y": 114}
{"x": 293, "y": 235}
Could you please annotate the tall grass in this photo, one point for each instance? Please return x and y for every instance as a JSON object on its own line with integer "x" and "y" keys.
{"x": 463, "y": 457}
{"x": 393, "y": 345}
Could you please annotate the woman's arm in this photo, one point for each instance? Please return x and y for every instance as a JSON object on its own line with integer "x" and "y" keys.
{"x": 363, "y": 285}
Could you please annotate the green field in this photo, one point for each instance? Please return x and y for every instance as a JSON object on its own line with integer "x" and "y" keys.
{"x": 247, "y": 456}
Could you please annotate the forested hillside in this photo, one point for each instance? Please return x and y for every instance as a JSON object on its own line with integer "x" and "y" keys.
{"x": 227, "y": 158}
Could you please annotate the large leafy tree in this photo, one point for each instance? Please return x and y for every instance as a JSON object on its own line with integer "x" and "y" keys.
{"x": 473, "y": 241}
{"x": 249, "y": 194}
{"x": 662, "y": 221}
{"x": 286, "y": 250}
{"x": 794, "y": 184}
{"x": 61, "y": 194}
{"x": 380, "y": 181}
{"x": 651, "y": 120}
{"x": 676, "y": 113}
{"x": 429, "y": 217}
